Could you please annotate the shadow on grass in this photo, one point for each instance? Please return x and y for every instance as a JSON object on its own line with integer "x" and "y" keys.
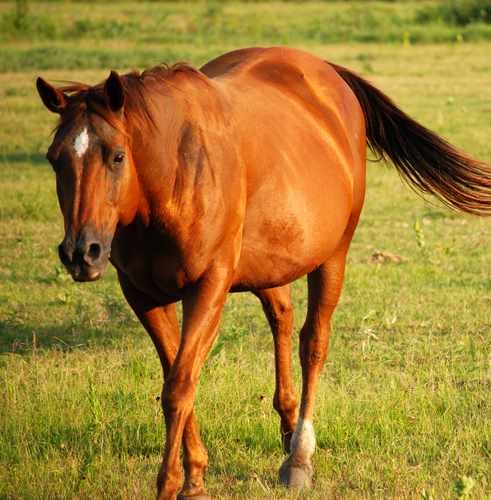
{"x": 23, "y": 157}
{"x": 27, "y": 339}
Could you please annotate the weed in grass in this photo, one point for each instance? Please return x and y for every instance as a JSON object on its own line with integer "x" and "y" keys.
{"x": 463, "y": 487}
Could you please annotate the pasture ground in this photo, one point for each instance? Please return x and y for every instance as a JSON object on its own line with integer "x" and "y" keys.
{"x": 403, "y": 403}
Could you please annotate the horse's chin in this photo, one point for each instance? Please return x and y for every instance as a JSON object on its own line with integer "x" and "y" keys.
{"x": 84, "y": 278}
{"x": 86, "y": 274}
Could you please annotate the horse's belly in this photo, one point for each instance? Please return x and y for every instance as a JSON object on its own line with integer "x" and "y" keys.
{"x": 287, "y": 238}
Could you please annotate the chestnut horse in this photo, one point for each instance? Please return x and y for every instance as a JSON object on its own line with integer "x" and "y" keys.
{"x": 241, "y": 176}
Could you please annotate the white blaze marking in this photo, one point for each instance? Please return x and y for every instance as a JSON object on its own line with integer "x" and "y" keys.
{"x": 81, "y": 143}
{"x": 302, "y": 444}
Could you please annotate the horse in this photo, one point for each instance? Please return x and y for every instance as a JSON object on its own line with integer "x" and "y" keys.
{"x": 243, "y": 175}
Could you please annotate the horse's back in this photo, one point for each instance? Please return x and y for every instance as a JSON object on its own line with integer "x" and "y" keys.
{"x": 301, "y": 76}
{"x": 302, "y": 137}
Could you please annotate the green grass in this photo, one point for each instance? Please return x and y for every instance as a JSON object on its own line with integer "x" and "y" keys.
{"x": 403, "y": 404}
{"x": 74, "y": 36}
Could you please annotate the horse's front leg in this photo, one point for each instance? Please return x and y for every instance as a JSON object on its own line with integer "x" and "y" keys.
{"x": 161, "y": 323}
{"x": 202, "y": 308}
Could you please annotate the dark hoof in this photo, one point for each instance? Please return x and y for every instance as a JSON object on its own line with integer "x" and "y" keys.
{"x": 296, "y": 476}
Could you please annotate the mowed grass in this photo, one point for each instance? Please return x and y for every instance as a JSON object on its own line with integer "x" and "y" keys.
{"x": 403, "y": 407}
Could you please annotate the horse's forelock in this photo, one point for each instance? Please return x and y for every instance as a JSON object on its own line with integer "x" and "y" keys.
{"x": 84, "y": 99}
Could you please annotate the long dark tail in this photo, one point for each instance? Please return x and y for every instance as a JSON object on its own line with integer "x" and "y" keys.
{"x": 425, "y": 160}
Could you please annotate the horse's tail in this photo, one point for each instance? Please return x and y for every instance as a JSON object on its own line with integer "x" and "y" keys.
{"x": 425, "y": 160}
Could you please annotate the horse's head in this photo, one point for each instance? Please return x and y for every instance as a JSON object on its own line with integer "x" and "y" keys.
{"x": 94, "y": 171}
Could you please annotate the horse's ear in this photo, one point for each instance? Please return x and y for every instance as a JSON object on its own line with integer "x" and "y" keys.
{"x": 114, "y": 92}
{"x": 54, "y": 99}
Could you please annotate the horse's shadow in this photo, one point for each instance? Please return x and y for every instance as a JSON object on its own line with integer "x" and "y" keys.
{"x": 24, "y": 157}
{"x": 28, "y": 338}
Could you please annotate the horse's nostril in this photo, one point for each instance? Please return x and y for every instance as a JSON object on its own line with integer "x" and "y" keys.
{"x": 94, "y": 251}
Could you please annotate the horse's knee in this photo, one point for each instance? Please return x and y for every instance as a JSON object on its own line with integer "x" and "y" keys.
{"x": 177, "y": 396}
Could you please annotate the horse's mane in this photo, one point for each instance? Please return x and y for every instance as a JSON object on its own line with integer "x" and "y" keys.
{"x": 138, "y": 86}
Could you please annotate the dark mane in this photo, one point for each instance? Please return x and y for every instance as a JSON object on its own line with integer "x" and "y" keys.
{"x": 138, "y": 87}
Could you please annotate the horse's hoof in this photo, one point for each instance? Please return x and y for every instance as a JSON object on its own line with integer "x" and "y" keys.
{"x": 296, "y": 476}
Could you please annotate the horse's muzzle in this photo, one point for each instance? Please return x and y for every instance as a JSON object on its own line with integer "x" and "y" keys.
{"x": 85, "y": 258}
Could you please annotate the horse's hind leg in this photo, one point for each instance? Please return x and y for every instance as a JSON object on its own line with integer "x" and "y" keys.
{"x": 278, "y": 308}
{"x": 162, "y": 326}
{"x": 324, "y": 285}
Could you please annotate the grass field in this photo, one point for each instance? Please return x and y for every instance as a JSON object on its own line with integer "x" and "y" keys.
{"x": 404, "y": 401}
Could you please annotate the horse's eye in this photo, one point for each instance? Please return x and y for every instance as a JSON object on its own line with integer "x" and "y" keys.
{"x": 118, "y": 158}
